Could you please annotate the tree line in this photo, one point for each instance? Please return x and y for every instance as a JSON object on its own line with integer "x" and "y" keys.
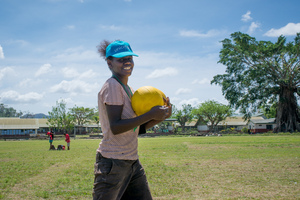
{"x": 209, "y": 111}
{"x": 6, "y": 111}
{"x": 64, "y": 120}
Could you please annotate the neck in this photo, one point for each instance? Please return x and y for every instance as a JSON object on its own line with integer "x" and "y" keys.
{"x": 123, "y": 82}
{"x": 123, "y": 79}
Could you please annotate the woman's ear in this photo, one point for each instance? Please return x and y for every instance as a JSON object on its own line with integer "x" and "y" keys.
{"x": 109, "y": 64}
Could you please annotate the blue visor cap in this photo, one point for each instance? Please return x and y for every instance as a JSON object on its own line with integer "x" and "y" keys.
{"x": 119, "y": 49}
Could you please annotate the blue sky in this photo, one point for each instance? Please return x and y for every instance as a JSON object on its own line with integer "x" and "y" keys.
{"x": 48, "y": 47}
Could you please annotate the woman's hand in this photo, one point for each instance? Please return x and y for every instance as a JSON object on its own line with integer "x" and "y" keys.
{"x": 169, "y": 105}
{"x": 161, "y": 113}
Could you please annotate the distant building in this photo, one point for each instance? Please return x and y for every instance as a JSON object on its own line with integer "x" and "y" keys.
{"x": 261, "y": 125}
{"x": 257, "y": 124}
{"x": 18, "y": 126}
{"x": 27, "y": 126}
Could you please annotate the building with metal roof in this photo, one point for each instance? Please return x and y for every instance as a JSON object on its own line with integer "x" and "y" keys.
{"x": 261, "y": 125}
{"x": 18, "y": 126}
{"x": 257, "y": 124}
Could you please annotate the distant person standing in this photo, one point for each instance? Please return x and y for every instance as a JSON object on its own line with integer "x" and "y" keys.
{"x": 51, "y": 138}
{"x": 67, "y": 140}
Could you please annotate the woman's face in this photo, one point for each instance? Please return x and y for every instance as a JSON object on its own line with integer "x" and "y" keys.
{"x": 121, "y": 67}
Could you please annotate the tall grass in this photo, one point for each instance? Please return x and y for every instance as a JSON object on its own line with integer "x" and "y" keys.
{"x": 231, "y": 167}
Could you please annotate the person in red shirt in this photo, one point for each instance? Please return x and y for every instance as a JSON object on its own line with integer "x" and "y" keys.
{"x": 67, "y": 140}
{"x": 51, "y": 137}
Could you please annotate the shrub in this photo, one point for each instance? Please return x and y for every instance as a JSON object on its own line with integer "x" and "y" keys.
{"x": 244, "y": 130}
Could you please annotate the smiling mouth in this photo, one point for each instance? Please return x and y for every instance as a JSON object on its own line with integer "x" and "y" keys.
{"x": 127, "y": 68}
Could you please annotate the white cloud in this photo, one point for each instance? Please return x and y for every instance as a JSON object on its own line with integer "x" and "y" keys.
{"x": 202, "y": 81}
{"x": 44, "y": 69}
{"x": 87, "y": 74}
{"x": 31, "y": 83}
{"x": 14, "y": 97}
{"x": 183, "y": 91}
{"x": 288, "y": 30}
{"x": 6, "y": 71}
{"x": 1, "y": 53}
{"x": 111, "y": 27}
{"x": 76, "y": 55}
{"x": 66, "y": 100}
{"x": 25, "y": 82}
{"x": 21, "y": 43}
{"x": 149, "y": 59}
{"x": 246, "y": 17}
{"x": 70, "y": 27}
{"x": 193, "y": 102}
{"x": 74, "y": 87}
{"x": 73, "y": 73}
{"x": 169, "y": 71}
{"x": 253, "y": 27}
{"x": 70, "y": 72}
{"x": 193, "y": 33}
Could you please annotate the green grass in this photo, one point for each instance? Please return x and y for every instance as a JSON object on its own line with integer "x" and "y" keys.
{"x": 230, "y": 167}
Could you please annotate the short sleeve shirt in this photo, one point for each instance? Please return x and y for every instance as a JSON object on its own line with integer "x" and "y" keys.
{"x": 67, "y": 138}
{"x": 122, "y": 146}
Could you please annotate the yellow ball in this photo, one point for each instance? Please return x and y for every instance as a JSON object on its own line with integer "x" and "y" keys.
{"x": 145, "y": 98}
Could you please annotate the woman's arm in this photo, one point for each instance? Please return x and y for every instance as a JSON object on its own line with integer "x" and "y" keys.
{"x": 118, "y": 125}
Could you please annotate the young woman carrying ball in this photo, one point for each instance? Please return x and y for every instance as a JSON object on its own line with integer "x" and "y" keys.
{"x": 118, "y": 171}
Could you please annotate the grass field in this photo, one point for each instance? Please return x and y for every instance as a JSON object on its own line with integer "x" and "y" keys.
{"x": 228, "y": 167}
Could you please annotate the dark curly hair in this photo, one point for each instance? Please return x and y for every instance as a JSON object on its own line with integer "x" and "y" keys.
{"x": 102, "y": 48}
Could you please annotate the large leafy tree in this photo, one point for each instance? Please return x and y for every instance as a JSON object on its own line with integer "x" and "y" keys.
{"x": 262, "y": 72}
{"x": 95, "y": 117}
{"x": 269, "y": 110}
{"x": 213, "y": 112}
{"x": 183, "y": 115}
{"x": 59, "y": 118}
{"x": 82, "y": 115}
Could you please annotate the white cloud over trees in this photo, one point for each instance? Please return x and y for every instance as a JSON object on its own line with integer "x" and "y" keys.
{"x": 288, "y": 30}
